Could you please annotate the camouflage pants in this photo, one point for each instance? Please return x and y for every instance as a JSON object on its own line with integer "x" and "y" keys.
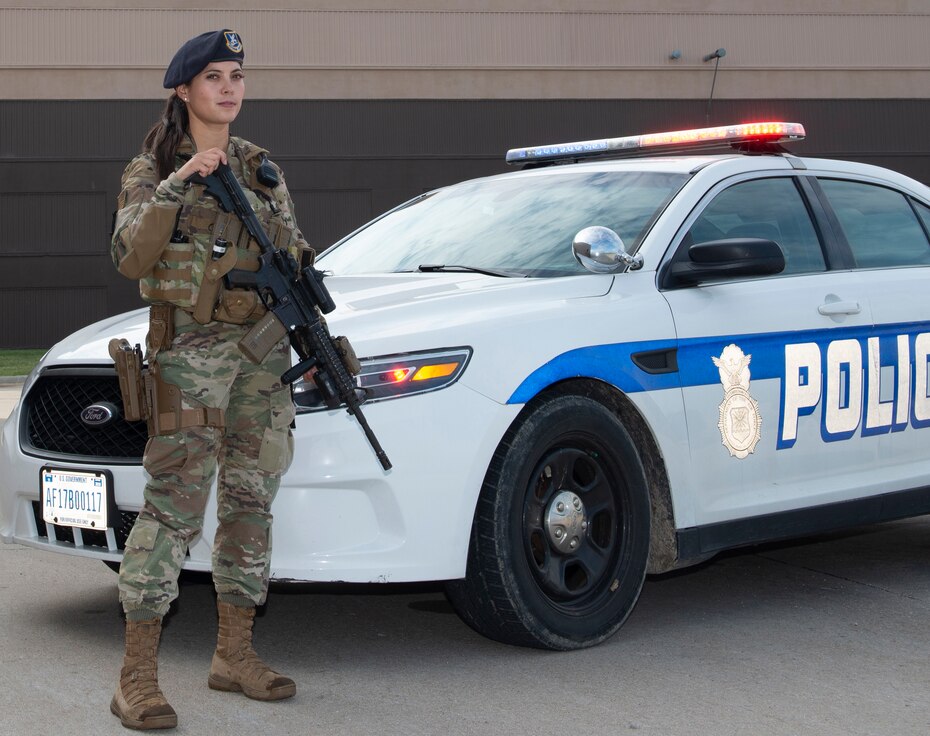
{"x": 252, "y": 452}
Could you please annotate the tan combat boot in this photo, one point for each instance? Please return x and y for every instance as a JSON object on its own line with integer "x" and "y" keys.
{"x": 138, "y": 701}
{"x": 236, "y": 667}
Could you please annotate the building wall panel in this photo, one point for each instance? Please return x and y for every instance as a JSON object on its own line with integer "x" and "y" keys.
{"x": 345, "y": 162}
{"x": 371, "y": 53}
{"x": 496, "y": 39}
{"x": 329, "y": 215}
{"x": 36, "y": 316}
{"x": 52, "y": 223}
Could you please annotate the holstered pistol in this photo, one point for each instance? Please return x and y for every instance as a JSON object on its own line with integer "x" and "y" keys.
{"x": 128, "y": 362}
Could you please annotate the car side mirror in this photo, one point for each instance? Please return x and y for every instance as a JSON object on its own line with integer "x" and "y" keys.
{"x": 600, "y": 250}
{"x": 730, "y": 258}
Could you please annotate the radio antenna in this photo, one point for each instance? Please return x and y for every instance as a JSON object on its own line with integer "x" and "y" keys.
{"x": 718, "y": 54}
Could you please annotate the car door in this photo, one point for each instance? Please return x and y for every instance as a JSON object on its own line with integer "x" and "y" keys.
{"x": 771, "y": 365}
{"x": 886, "y": 231}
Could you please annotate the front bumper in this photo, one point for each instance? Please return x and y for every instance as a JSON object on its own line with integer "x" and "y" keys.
{"x": 338, "y": 515}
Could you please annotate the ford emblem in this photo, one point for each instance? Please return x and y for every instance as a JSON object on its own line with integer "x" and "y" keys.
{"x": 96, "y": 415}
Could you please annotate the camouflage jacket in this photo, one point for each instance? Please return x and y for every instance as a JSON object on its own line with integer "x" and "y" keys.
{"x": 164, "y": 233}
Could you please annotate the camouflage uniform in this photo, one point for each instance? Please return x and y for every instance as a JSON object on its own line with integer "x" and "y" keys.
{"x": 205, "y": 364}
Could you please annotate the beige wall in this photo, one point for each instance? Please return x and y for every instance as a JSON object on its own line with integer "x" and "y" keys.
{"x": 578, "y": 6}
{"x": 610, "y": 49}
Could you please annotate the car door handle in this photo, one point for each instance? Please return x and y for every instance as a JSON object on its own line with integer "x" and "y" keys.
{"x": 831, "y": 309}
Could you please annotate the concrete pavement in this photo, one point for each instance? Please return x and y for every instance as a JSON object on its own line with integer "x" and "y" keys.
{"x": 826, "y": 636}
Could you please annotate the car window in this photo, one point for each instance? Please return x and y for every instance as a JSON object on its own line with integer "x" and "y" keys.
{"x": 924, "y": 212}
{"x": 763, "y": 208}
{"x": 524, "y": 224}
{"x": 879, "y": 224}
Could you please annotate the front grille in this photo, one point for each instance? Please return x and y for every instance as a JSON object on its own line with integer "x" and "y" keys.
{"x": 52, "y": 425}
{"x": 90, "y": 537}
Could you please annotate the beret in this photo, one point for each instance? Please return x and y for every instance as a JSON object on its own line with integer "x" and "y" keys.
{"x": 194, "y": 55}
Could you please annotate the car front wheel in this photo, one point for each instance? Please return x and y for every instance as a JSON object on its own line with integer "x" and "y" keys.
{"x": 560, "y": 538}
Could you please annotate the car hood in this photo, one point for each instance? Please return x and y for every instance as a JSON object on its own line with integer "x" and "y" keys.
{"x": 89, "y": 345}
{"x": 383, "y": 312}
{"x": 377, "y": 306}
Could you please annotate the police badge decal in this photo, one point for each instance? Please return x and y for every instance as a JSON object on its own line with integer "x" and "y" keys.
{"x": 740, "y": 422}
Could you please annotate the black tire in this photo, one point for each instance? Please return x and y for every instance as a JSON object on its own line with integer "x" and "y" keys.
{"x": 523, "y": 585}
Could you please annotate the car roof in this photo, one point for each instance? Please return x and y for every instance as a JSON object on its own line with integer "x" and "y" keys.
{"x": 727, "y": 164}
{"x": 724, "y": 165}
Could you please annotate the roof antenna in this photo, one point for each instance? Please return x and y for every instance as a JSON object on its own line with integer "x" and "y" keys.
{"x": 718, "y": 54}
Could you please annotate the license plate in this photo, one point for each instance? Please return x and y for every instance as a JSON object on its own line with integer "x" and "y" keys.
{"x": 77, "y": 498}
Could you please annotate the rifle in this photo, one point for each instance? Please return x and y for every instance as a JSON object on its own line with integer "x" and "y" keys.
{"x": 294, "y": 297}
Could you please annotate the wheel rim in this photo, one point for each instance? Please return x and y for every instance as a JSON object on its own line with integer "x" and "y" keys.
{"x": 574, "y": 530}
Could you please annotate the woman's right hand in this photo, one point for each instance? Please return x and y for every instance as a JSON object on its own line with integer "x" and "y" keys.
{"x": 203, "y": 163}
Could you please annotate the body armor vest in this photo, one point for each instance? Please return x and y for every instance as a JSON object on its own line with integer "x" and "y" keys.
{"x": 189, "y": 274}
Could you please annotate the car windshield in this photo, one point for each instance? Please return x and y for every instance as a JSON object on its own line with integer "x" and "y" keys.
{"x": 518, "y": 226}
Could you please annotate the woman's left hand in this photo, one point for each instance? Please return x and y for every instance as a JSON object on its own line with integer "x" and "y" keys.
{"x": 309, "y": 376}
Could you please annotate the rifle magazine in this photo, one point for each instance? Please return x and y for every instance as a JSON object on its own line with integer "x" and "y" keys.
{"x": 261, "y": 339}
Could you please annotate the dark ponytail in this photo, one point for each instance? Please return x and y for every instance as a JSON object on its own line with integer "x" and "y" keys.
{"x": 163, "y": 140}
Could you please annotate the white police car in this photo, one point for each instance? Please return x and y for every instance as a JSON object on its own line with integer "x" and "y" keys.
{"x": 734, "y": 349}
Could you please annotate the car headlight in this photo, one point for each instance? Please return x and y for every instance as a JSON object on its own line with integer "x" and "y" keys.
{"x": 393, "y": 376}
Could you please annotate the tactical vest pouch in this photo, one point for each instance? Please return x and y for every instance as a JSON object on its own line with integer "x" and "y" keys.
{"x": 172, "y": 278}
{"x": 161, "y": 327}
{"x": 239, "y": 307}
{"x": 212, "y": 284}
{"x": 168, "y": 415}
{"x": 248, "y": 260}
{"x": 128, "y": 362}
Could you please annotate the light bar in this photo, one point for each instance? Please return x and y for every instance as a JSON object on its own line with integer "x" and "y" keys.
{"x": 743, "y": 133}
